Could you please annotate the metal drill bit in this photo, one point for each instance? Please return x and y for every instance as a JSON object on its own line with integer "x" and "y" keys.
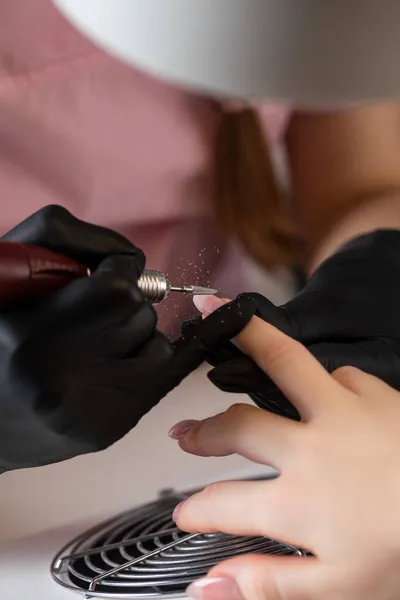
{"x": 156, "y": 287}
{"x": 194, "y": 290}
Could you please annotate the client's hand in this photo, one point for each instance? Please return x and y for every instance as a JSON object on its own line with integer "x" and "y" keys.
{"x": 338, "y": 493}
{"x": 347, "y": 315}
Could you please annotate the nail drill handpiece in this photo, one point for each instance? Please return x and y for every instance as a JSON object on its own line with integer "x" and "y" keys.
{"x": 30, "y": 272}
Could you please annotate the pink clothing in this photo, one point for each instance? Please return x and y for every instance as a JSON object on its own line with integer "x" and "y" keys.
{"x": 111, "y": 144}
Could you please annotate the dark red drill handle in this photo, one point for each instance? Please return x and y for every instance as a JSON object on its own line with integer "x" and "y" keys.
{"x": 28, "y": 272}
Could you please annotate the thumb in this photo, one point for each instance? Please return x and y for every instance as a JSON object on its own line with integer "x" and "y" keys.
{"x": 260, "y": 578}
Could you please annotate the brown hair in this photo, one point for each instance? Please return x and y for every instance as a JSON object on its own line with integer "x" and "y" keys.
{"x": 248, "y": 201}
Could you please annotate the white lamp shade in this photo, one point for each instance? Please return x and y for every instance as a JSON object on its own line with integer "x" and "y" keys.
{"x": 303, "y": 51}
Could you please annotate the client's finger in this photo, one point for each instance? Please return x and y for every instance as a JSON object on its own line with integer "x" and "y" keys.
{"x": 292, "y": 368}
{"x": 264, "y": 578}
{"x": 243, "y": 429}
{"x": 252, "y": 508}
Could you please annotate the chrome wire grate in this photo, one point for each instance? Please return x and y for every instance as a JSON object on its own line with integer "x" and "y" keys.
{"x": 142, "y": 554}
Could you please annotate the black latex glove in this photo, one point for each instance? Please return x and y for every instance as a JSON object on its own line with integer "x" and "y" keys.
{"x": 80, "y": 368}
{"x": 348, "y": 314}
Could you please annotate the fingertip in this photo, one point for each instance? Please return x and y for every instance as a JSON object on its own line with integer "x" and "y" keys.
{"x": 179, "y": 430}
{"x": 177, "y": 511}
{"x": 214, "y": 588}
{"x": 208, "y": 304}
{"x": 268, "y": 576}
{"x": 225, "y": 322}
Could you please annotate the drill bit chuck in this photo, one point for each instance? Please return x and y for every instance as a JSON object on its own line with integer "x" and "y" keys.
{"x": 154, "y": 286}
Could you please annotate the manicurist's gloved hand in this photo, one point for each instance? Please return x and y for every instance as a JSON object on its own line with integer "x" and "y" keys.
{"x": 348, "y": 314}
{"x": 79, "y": 368}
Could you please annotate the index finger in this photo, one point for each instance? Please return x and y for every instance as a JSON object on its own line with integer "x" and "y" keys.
{"x": 290, "y": 366}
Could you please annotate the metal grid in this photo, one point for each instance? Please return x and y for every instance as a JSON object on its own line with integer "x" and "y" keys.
{"x": 141, "y": 554}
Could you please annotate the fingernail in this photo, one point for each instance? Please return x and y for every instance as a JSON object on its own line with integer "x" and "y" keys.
{"x": 178, "y": 431}
{"x": 177, "y": 510}
{"x": 214, "y": 588}
{"x": 208, "y": 304}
